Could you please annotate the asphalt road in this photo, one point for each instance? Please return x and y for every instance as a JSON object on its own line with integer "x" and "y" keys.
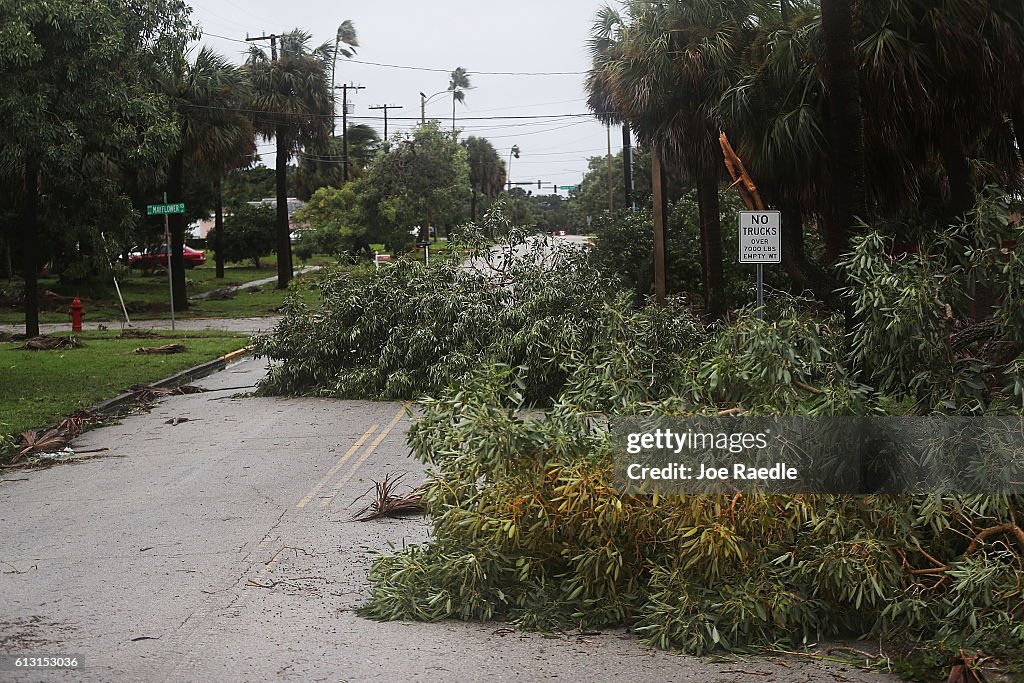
{"x": 222, "y": 549}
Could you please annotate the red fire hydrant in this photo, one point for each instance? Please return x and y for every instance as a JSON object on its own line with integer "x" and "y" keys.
{"x": 76, "y": 313}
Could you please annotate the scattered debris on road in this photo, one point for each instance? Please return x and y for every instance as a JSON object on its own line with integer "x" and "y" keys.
{"x": 47, "y": 446}
{"x": 41, "y": 442}
{"x": 175, "y": 421}
{"x": 75, "y": 423}
{"x": 148, "y": 394}
{"x": 388, "y": 504}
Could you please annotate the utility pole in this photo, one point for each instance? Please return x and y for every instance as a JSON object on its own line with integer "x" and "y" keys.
{"x": 385, "y": 107}
{"x": 273, "y": 43}
{"x": 344, "y": 123}
{"x": 423, "y": 109}
{"x": 611, "y": 203}
{"x": 627, "y": 165}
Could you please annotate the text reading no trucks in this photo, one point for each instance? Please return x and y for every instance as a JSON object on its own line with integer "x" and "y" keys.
{"x": 760, "y": 237}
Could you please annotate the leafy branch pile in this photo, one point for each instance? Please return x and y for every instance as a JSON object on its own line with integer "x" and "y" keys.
{"x": 527, "y": 525}
{"x": 410, "y": 330}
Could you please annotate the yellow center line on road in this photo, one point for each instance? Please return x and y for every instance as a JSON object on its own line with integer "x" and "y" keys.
{"x": 337, "y": 466}
{"x": 324, "y": 502}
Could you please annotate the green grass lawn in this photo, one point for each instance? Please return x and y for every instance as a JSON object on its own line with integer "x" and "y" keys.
{"x": 40, "y": 387}
{"x": 146, "y": 296}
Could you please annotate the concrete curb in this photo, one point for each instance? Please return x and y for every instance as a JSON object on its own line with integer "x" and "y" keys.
{"x": 115, "y": 404}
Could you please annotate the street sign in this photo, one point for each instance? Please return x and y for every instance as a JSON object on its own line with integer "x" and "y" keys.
{"x": 566, "y": 187}
{"x": 760, "y": 243}
{"x": 164, "y": 209}
{"x": 760, "y": 237}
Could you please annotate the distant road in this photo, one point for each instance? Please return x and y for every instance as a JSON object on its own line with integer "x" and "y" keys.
{"x": 243, "y": 325}
{"x": 495, "y": 258}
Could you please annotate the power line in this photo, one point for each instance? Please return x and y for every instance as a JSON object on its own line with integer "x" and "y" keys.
{"x": 472, "y": 73}
{"x": 535, "y": 132}
{"x": 435, "y": 70}
{"x": 535, "y": 117}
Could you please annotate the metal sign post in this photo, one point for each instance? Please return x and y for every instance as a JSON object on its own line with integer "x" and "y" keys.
{"x": 760, "y": 243}
{"x": 165, "y": 210}
{"x": 426, "y": 250}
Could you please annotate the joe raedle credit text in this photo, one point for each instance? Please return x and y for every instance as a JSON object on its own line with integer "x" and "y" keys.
{"x": 668, "y": 440}
{"x": 701, "y": 456}
{"x": 954, "y": 455}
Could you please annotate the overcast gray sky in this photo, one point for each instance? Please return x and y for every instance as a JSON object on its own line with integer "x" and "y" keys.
{"x": 482, "y": 36}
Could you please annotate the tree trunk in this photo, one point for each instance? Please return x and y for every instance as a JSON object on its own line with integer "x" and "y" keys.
{"x": 30, "y": 246}
{"x": 1017, "y": 116}
{"x": 846, "y": 145}
{"x": 472, "y": 207}
{"x": 711, "y": 243}
{"x": 218, "y": 227}
{"x": 627, "y": 167}
{"x": 958, "y": 172}
{"x": 284, "y": 237}
{"x": 658, "y": 185}
{"x": 805, "y": 275}
{"x": 6, "y": 268}
{"x": 176, "y": 221}
{"x": 787, "y": 12}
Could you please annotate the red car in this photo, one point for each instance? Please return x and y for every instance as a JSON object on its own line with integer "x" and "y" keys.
{"x": 158, "y": 259}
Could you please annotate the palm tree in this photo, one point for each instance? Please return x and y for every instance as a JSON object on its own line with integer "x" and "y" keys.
{"x": 486, "y": 170}
{"x": 346, "y": 35}
{"x": 295, "y": 106}
{"x": 663, "y": 71}
{"x": 776, "y": 114}
{"x": 325, "y": 169}
{"x": 846, "y": 129}
{"x": 214, "y": 136}
{"x": 458, "y": 86}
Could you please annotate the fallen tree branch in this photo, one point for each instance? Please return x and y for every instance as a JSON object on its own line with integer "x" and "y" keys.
{"x": 51, "y": 343}
{"x": 389, "y": 505}
{"x": 147, "y": 394}
{"x": 160, "y": 350}
{"x": 1013, "y": 529}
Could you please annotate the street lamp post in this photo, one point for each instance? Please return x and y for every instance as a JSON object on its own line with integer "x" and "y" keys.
{"x": 514, "y": 151}
{"x": 423, "y": 105}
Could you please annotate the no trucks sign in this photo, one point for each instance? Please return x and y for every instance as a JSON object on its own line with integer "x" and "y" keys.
{"x": 760, "y": 240}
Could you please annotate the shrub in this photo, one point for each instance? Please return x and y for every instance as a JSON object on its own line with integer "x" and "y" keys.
{"x": 249, "y": 233}
{"x": 624, "y": 248}
{"x": 917, "y": 333}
